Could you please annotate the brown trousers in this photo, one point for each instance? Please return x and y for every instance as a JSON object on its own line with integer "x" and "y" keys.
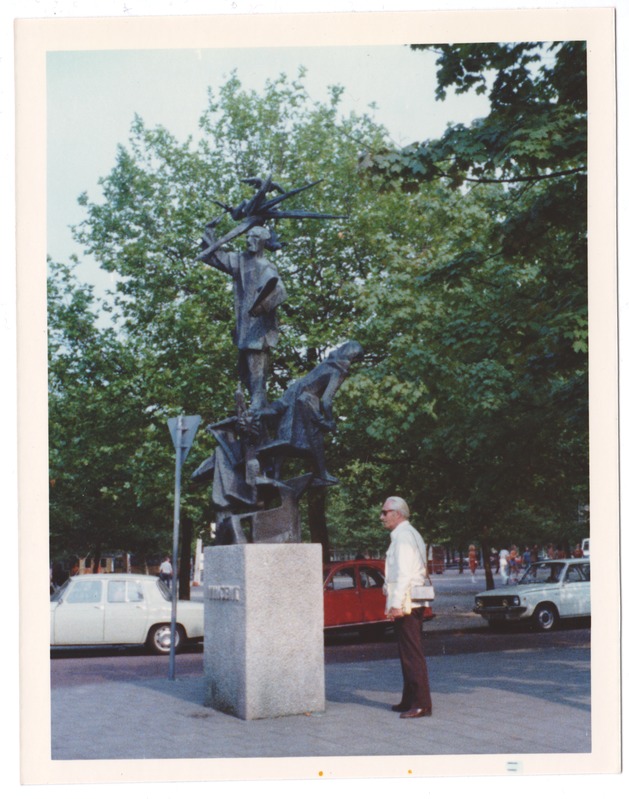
{"x": 408, "y": 630}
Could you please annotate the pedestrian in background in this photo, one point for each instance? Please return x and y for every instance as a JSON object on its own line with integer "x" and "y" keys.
{"x": 503, "y": 562}
{"x": 405, "y": 566}
{"x": 514, "y": 564}
{"x": 166, "y": 571}
{"x": 471, "y": 557}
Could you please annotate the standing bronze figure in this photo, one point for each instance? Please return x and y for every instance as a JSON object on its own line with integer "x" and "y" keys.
{"x": 258, "y": 292}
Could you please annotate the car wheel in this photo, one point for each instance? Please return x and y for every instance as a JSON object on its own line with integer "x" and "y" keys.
{"x": 158, "y": 639}
{"x": 545, "y": 618}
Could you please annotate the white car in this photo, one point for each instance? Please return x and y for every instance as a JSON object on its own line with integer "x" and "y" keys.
{"x": 547, "y": 591}
{"x": 104, "y": 609}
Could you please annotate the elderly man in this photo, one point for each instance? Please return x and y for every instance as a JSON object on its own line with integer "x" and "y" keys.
{"x": 405, "y": 566}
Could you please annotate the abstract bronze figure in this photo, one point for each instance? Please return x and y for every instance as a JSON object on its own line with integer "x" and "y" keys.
{"x": 258, "y": 211}
{"x": 304, "y": 413}
{"x": 258, "y": 292}
{"x": 247, "y": 467}
{"x": 254, "y": 498}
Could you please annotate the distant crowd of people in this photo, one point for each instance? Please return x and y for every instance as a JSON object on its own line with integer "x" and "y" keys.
{"x": 510, "y": 562}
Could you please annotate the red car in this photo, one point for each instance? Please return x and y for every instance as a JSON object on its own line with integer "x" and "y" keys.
{"x": 353, "y": 598}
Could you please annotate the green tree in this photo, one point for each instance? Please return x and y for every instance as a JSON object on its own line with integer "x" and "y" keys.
{"x": 470, "y": 304}
{"x": 502, "y": 350}
{"x": 172, "y": 315}
{"x": 99, "y": 427}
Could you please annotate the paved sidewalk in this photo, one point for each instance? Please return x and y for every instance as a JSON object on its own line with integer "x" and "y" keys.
{"x": 487, "y": 703}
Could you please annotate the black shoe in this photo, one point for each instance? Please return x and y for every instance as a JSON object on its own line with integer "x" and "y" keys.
{"x": 400, "y": 708}
{"x": 416, "y": 713}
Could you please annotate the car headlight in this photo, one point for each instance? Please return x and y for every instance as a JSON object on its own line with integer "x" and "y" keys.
{"x": 515, "y": 600}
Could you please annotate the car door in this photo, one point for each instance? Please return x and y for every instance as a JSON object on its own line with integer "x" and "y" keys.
{"x": 79, "y": 618}
{"x": 341, "y": 597}
{"x": 373, "y": 600}
{"x": 575, "y": 592}
{"x": 126, "y": 613}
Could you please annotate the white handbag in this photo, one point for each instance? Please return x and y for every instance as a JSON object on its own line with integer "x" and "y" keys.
{"x": 423, "y": 593}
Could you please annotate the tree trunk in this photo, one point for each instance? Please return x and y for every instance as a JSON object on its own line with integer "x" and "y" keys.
{"x": 317, "y": 521}
{"x": 96, "y": 563}
{"x": 184, "y": 560}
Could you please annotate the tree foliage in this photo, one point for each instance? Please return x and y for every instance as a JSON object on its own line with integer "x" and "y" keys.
{"x": 170, "y": 315}
{"x": 459, "y": 264}
{"x": 536, "y": 129}
{"x": 501, "y": 338}
{"x": 100, "y": 494}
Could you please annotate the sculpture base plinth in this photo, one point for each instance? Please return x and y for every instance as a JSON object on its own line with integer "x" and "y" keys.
{"x": 263, "y": 648}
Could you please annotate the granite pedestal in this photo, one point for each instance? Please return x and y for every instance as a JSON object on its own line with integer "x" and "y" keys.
{"x": 263, "y": 647}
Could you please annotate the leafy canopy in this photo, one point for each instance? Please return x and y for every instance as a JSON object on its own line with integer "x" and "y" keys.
{"x": 460, "y": 265}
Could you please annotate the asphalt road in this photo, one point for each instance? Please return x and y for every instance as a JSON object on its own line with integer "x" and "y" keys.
{"x": 101, "y": 665}
{"x": 455, "y": 630}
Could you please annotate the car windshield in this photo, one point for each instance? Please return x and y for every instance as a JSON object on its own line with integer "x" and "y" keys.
{"x": 59, "y": 592}
{"x": 542, "y": 572}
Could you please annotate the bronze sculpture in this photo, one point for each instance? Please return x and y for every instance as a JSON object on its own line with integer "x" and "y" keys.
{"x": 254, "y": 500}
{"x": 258, "y": 292}
{"x": 304, "y": 412}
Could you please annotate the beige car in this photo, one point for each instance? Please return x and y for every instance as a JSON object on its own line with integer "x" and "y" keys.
{"x": 132, "y": 609}
{"x": 548, "y": 591}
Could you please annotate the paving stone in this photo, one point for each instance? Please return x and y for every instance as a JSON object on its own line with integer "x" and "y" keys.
{"x": 487, "y": 703}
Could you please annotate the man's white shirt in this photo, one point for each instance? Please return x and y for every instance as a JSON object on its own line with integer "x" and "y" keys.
{"x": 405, "y": 565}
